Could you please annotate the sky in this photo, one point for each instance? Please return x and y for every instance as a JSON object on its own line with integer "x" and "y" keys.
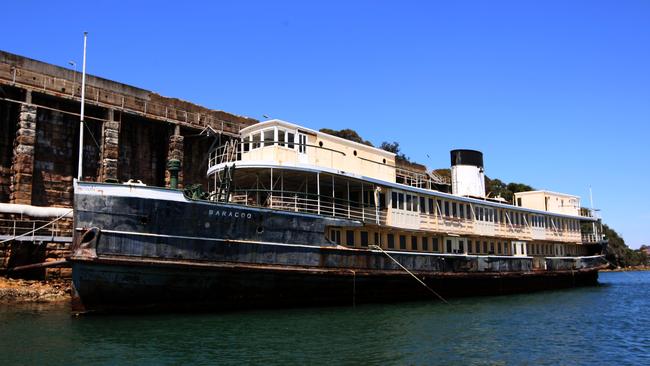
{"x": 556, "y": 94}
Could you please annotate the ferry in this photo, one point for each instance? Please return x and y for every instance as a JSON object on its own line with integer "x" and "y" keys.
{"x": 298, "y": 217}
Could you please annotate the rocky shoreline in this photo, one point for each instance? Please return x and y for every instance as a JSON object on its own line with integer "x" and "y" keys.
{"x": 13, "y": 291}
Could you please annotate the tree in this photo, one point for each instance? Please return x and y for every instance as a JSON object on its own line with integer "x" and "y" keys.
{"x": 347, "y": 134}
{"x": 395, "y": 149}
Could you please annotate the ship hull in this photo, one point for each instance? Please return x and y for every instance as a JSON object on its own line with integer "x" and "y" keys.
{"x": 115, "y": 284}
{"x": 141, "y": 247}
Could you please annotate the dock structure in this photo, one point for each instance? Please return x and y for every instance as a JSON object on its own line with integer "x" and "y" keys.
{"x": 130, "y": 133}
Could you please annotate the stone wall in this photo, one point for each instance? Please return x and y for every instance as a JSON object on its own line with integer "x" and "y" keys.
{"x": 143, "y": 150}
{"x": 8, "y": 118}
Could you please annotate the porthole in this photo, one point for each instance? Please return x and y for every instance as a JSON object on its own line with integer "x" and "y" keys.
{"x": 320, "y": 143}
{"x": 355, "y": 152}
{"x": 384, "y": 161}
{"x": 260, "y": 229}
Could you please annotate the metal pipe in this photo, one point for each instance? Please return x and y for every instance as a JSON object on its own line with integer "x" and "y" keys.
{"x": 83, "y": 102}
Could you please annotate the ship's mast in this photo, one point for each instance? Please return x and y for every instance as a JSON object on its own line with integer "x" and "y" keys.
{"x": 81, "y": 114}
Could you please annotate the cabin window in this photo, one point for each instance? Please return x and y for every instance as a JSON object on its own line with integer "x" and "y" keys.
{"x": 364, "y": 238}
{"x": 377, "y": 239}
{"x": 281, "y": 137}
{"x": 461, "y": 246}
{"x": 256, "y": 138}
{"x": 409, "y": 202}
{"x": 434, "y": 244}
{"x": 349, "y": 238}
{"x": 505, "y": 248}
{"x": 414, "y": 242}
{"x": 335, "y": 236}
{"x": 491, "y": 248}
{"x": 245, "y": 145}
{"x": 425, "y": 243}
{"x": 268, "y": 137}
{"x": 391, "y": 240}
{"x": 485, "y": 249}
{"x": 431, "y": 206}
{"x": 402, "y": 241}
{"x": 499, "y": 247}
{"x": 302, "y": 143}
{"x": 461, "y": 211}
{"x": 447, "y": 211}
{"x": 423, "y": 207}
{"x": 449, "y": 247}
{"x": 393, "y": 199}
{"x": 400, "y": 201}
{"x": 291, "y": 138}
{"x": 470, "y": 249}
{"x": 454, "y": 209}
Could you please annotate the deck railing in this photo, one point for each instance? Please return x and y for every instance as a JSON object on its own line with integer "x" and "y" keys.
{"x": 312, "y": 204}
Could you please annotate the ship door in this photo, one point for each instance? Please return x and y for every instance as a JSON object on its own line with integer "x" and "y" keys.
{"x": 302, "y": 148}
{"x": 518, "y": 249}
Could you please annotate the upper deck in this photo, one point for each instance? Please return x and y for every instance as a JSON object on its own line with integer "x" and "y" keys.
{"x": 305, "y": 170}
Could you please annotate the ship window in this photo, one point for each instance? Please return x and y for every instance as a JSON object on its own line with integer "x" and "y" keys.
{"x": 245, "y": 145}
{"x": 414, "y": 242}
{"x": 447, "y": 211}
{"x": 364, "y": 238}
{"x": 491, "y": 248}
{"x": 468, "y": 211}
{"x": 335, "y": 236}
{"x": 393, "y": 199}
{"x": 423, "y": 206}
{"x": 505, "y": 247}
{"x": 400, "y": 201}
{"x": 349, "y": 238}
{"x": 461, "y": 246}
{"x": 268, "y": 137}
{"x": 408, "y": 202}
{"x": 377, "y": 239}
{"x": 431, "y": 207}
{"x": 434, "y": 244}
{"x": 402, "y": 242}
{"x": 439, "y": 208}
{"x": 256, "y": 140}
{"x": 485, "y": 250}
{"x": 281, "y": 137}
{"x": 461, "y": 211}
{"x": 291, "y": 138}
{"x": 448, "y": 245}
{"x": 469, "y": 246}
{"x": 391, "y": 240}
{"x": 454, "y": 209}
{"x": 425, "y": 243}
{"x": 499, "y": 247}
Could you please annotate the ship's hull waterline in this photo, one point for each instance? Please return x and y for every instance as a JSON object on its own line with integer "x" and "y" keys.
{"x": 138, "y": 247}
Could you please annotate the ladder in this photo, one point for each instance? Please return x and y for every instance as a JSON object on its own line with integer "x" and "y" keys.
{"x": 225, "y": 182}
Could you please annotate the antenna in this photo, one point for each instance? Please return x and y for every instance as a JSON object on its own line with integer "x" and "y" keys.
{"x": 81, "y": 115}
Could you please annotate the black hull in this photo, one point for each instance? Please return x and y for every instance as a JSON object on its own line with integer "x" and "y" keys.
{"x": 114, "y": 285}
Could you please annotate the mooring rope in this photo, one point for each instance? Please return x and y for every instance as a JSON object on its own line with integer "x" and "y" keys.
{"x": 409, "y": 272}
{"x": 37, "y": 229}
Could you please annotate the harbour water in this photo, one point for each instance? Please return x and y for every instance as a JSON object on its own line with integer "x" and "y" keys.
{"x": 603, "y": 325}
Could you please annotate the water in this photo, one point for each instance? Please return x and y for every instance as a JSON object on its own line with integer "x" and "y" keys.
{"x": 602, "y": 325}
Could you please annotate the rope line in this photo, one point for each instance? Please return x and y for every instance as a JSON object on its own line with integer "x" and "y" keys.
{"x": 409, "y": 272}
{"x": 38, "y": 228}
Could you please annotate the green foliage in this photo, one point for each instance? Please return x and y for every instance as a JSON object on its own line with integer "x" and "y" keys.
{"x": 347, "y": 134}
{"x": 395, "y": 149}
{"x": 496, "y": 187}
{"x": 619, "y": 253}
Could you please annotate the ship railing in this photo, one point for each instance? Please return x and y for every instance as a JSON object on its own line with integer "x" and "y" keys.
{"x": 38, "y": 230}
{"x": 312, "y": 204}
{"x": 591, "y": 238}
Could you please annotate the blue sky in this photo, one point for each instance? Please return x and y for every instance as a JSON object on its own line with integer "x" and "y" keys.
{"x": 555, "y": 93}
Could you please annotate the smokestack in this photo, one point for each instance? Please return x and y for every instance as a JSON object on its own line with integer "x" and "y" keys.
{"x": 467, "y": 174}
